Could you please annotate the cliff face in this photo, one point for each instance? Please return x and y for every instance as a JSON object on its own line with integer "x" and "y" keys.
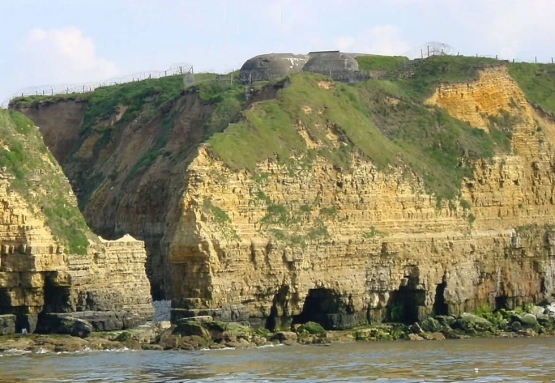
{"x": 389, "y": 249}
{"x": 313, "y": 229}
{"x": 39, "y": 275}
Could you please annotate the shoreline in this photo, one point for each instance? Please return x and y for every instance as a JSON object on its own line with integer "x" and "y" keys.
{"x": 192, "y": 335}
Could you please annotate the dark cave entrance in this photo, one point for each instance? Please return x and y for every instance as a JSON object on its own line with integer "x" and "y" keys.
{"x": 278, "y": 318}
{"x": 404, "y": 305}
{"x": 501, "y": 302}
{"x": 440, "y": 307}
{"x": 57, "y": 299}
{"x": 328, "y": 308}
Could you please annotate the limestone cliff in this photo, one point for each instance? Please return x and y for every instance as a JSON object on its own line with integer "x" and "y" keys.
{"x": 39, "y": 274}
{"x": 388, "y": 244}
{"x": 314, "y": 200}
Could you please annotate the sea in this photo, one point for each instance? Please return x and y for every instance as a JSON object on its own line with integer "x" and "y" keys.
{"x": 466, "y": 360}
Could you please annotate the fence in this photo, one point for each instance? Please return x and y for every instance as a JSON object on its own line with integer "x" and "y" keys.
{"x": 440, "y": 49}
{"x": 45, "y": 90}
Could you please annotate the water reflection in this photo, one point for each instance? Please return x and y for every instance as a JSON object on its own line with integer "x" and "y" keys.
{"x": 475, "y": 360}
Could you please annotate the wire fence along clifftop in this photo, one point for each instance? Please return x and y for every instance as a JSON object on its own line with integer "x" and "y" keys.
{"x": 184, "y": 69}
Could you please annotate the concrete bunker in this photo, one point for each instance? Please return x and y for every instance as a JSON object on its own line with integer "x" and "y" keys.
{"x": 271, "y": 66}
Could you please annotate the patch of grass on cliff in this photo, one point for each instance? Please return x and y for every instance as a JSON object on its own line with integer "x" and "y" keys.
{"x": 39, "y": 180}
{"x": 221, "y": 219}
{"x": 104, "y": 101}
{"x": 386, "y": 121}
{"x": 381, "y": 63}
{"x": 537, "y": 81}
{"x": 334, "y": 119}
{"x": 31, "y": 100}
{"x": 439, "y": 148}
{"x": 423, "y": 76}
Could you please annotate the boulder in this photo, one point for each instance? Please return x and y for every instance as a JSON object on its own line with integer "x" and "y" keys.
{"x": 64, "y": 324}
{"x": 445, "y": 320}
{"x": 529, "y": 321}
{"x": 430, "y": 325}
{"x": 285, "y": 337}
{"x": 415, "y": 337}
{"x": 473, "y": 323}
{"x": 7, "y": 324}
{"x": 191, "y": 328}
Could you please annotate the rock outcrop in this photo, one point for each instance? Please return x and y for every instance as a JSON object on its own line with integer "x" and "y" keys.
{"x": 285, "y": 243}
{"x": 41, "y": 277}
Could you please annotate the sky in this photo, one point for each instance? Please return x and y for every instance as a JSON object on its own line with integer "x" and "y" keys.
{"x": 46, "y": 43}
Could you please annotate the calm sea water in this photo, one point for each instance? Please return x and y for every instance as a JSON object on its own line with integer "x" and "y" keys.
{"x": 472, "y": 360}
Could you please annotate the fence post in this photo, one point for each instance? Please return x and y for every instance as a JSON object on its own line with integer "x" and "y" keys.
{"x": 551, "y": 60}
{"x": 536, "y": 59}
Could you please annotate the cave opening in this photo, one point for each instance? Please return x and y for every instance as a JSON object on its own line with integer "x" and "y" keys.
{"x": 501, "y": 302}
{"x": 404, "y": 305}
{"x": 440, "y": 307}
{"x": 5, "y": 302}
{"x": 328, "y": 308}
{"x": 57, "y": 299}
{"x": 278, "y": 318}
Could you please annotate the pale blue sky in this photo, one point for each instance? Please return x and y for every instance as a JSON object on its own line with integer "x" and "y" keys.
{"x": 74, "y": 41}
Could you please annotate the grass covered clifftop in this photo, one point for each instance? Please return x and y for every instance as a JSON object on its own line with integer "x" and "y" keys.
{"x": 36, "y": 176}
{"x": 386, "y": 121}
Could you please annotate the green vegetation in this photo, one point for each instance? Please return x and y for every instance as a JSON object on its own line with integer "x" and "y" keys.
{"x": 381, "y": 63}
{"x": 311, "y": 328}
{"x": 372, "y": 233}
{"x": 537, "y": 81}
{"x": 269, "y": 128}
{"x": 39, "y": 180}
{"x": 33, "y": 100}
{"x": 395, "y": 312}
{"x": 386, "y": 121}
{"x": 427, "y": 74}
{"x": 105, "y": 102}
{"x": 218, "y": 216}
{"x": 294, "y": 224}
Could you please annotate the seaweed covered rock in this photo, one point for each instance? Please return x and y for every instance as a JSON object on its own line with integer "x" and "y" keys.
{"x": 473, "y": 324}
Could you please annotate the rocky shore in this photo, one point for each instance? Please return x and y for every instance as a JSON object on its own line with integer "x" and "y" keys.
{"x": 204, "y": 333}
